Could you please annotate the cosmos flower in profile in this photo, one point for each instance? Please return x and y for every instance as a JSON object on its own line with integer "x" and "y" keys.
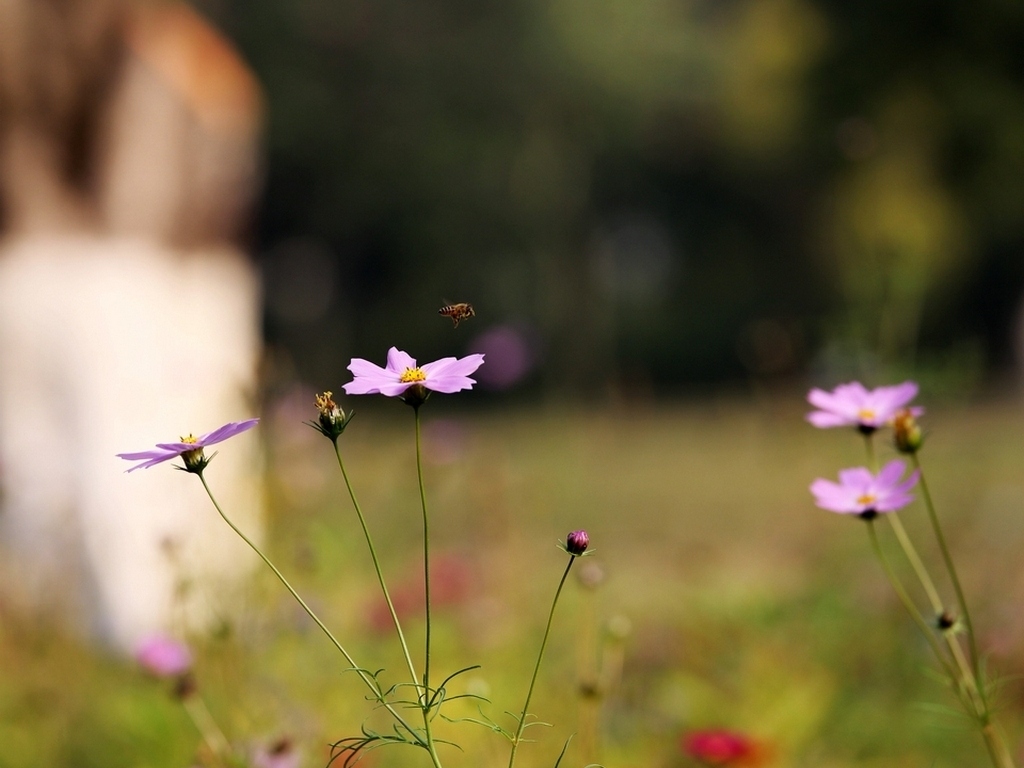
{"x": 859, "y": 492}
{"x": 853, "y": 405}
{"x": 449, "y": 374}
{"x": 189, "y": 447}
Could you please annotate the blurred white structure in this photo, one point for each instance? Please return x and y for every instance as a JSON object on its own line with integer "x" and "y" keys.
{"x": 128, "y": 315}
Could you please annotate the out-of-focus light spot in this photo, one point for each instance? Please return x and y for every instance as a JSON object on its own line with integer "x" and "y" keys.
{"x": 509, "y": 356}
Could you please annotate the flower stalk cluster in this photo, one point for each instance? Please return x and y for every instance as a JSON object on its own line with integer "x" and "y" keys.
{"x": 402, "y": 378}
{"x": 868, "y": 493}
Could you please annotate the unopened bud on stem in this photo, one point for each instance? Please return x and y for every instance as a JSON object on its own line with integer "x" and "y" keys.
{"x": 907, "y": 432}
{"x": 332, "y": 419}
{"x": 576, "y": 543}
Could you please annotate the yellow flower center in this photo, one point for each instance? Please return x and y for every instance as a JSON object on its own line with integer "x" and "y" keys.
{"x": 866, "y": 414}
{"x": 412, "y": 375}
{"x": 189, "y": 438}
{"x": 867, "y": 498}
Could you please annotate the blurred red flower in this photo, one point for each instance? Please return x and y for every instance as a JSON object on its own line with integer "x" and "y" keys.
{"x": 721, "y": 747}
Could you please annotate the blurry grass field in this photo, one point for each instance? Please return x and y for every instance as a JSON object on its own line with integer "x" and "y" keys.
{"x": 727, "y": 597}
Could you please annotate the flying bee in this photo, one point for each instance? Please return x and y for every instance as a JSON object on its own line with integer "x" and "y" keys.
{"x": 457, "y": 312}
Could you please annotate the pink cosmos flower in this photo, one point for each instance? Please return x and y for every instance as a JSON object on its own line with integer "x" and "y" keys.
{"x": 163, "y": 656}
{"x": 859, "y": 492}
{"x": 167, "y": 451}
{"x": 721, "y": 747}
{"x": 447, "y": 375}
{"x": 852, "y": 405}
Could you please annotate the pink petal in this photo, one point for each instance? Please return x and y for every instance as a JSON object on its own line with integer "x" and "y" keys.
{"x": 857, "y": 478}
{"x": 822, "y": 399}
{"x": 228, "y": 430}
{"x": 909, "y": 483}
{"x": 398, "y": 361}
{"x": 895, "y": 397}
{"x": 140, "y": 455}
{"x": 890, "y": 474}
{"x": 366, "y": 385}
{"x": 824, "y": 419}
{"x": 450, "y": 366}
{"x": 360, "y": 367}
{"x": 448, "y": 384}
{"x": 177, "y": 448}
{"x": 154, "y": 461}
{"x": 893, "y": 502}
{"x": 831, "y": 496}
{"x": 394, "y": 388}
{"x": 854, "y": 393}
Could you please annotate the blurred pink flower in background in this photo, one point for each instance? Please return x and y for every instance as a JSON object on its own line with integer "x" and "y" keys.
{"x": 852, "y": 405}
{"x": 278, "y": 754}
{"x": 449, "y": 374}
{"x": 163, "y": 656}
{"x": 722, "y": 747}
{"x": 510, "y": 355}
{"x": 451, "y": 579}
{"x": 859, "y": 492}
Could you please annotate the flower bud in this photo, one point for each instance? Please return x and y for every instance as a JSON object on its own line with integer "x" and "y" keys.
{"x": 906, "y": 432}
{"x": 332, "y": 419}
{"x": 576, "y": 543}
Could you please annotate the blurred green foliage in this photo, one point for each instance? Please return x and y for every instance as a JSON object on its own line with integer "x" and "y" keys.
{"x": 667, "y": 191}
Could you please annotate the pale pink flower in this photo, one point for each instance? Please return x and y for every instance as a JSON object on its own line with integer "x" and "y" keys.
{"x": 853, "y": 405}
{"x": 449, "y": 374}
{"x": 859, "y": 492}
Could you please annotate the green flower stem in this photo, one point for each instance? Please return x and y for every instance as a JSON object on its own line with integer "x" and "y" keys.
{"x": 970, "y": 697}
{"x": 967, "y": 677}
{"x": 905, "y": 544}
{"x": 427, "y": 698}
{"x": 376, "y": 566}
{"x": 918, "y": 565}
{"x": 536, "y": 669}
{"x": 996, "y": 744}
{"x": 426, "y": 546}
{"x": 908, "y": 603}
{"x": 358, "y": 670}
{"x": 207, "y": 727}
{"x": 948, "y": 560}
{"x": 971, "y": 672}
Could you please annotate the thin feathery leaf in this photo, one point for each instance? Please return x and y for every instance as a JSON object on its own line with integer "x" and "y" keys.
{"x": 440, "y": 690}
{"x": 562, "y": 753}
